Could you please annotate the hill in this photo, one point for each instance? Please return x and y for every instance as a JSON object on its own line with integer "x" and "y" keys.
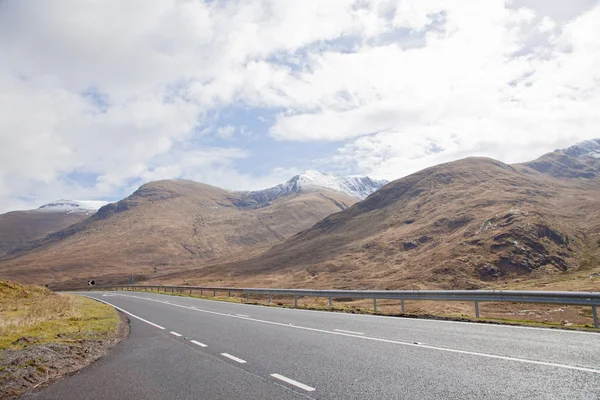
{"x": 18, "y": 228}
{"x": 172, "y": 225}
{"x": 472, "y": 223}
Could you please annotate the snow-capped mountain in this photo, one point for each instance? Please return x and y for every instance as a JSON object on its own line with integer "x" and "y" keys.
{"x": 359, "y": 187}
{"x": 586, "y": 148}
{"x": 80, "y": 206}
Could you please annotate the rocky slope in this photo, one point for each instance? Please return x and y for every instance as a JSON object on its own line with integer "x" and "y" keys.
{"x": 473, "y": 223}
{"x": 171, "y": 225}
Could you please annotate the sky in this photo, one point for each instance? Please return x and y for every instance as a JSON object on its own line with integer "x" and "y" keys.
{"x": 100, "y": 97}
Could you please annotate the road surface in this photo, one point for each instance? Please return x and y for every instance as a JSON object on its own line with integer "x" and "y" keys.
{"x": 186, "y": 348}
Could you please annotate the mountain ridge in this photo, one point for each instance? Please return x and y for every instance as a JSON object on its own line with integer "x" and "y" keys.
{"x": 468, "y": 224}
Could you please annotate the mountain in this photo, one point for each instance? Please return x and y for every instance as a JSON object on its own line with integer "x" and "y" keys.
{"x": 584, "y": 149}
{"x": 472, "y": 223}
{"x": 178, "y": 224}
{"x": 359, "y": 187}
{"x": 18, "y": 228}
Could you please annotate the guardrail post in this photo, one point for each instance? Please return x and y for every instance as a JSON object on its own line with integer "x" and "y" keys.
{"x": 190, "y": 291}
{"x": 229, "y": 293}
{"x": 172, "y": 290}
{"x": 374, "y": 305}
{"x": 214, "y": 293}
{"x": 595, "y": 314}
{"x": 476, "y": 309}
{"x": 330, "y": 302}
{"x": 247, "y": 297}
{"x": 295, "y": 301}
{"x": 269, "y": 299}
{"x": 402, "y": 304}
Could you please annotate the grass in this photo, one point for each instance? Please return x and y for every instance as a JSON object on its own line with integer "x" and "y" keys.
{"x": 35, "y": 315}
{"x": 353, "y": 309}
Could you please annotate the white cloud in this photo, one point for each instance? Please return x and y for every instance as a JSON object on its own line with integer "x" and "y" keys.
{"x": 468, "y": 91}
{"x": 226, "y": 132}
{"x": 120, "y": 91}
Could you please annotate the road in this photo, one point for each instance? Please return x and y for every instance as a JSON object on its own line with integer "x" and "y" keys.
{"x": 186, "y": 348}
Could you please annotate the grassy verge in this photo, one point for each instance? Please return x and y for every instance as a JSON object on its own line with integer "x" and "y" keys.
{"x": 356, "y": 309}
{"x": 34, "y": 315}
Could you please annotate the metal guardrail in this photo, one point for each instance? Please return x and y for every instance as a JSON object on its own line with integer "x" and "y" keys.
{"x": 512, "y": 296}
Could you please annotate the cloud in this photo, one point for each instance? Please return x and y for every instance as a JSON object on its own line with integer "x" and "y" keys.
{"x": 481, "y": 86}
{"x": 98, "y": 97}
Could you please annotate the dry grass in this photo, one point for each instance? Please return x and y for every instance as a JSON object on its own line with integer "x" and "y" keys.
{"x": 35, "y": 315}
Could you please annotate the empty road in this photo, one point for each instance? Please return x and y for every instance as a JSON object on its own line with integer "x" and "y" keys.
{"x": 185, "y": 348}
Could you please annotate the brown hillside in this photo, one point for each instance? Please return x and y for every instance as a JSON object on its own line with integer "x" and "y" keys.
{"x": 472, "y": 223}
{"x": 170, "y": 225}
{"x": 18, "y": 228}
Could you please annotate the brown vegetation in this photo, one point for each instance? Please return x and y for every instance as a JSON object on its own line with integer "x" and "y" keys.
{"x": 170, "y": 226}
{"x": 469, "y": 224}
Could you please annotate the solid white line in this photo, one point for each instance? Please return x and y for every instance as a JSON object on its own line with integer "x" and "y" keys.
{"x": 409, "y": 319}
{"x": 343, "y": 331}
{"x": 175, "y": 333}
{"x": 293, "y": 382}
{"x": 234, "y": 358}
{"x": 242, "y": 315}
{"x": 128, "y": 313}
{"x": 487, "y": 355}
{"x": 198, "y": 343}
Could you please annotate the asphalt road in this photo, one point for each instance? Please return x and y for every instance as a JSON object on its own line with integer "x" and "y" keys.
{"x": 184, "y": 348}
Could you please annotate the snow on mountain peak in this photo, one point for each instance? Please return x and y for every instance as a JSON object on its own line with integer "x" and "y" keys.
{"x": 355, "y": 186}
{"x": 586, "y": 148}
{"x": 359, "y": 187}
{"x": 73, "y": 205}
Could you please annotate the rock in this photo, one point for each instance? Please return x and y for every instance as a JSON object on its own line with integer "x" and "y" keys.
{"x": 489, "y": 271}
{"x": 409, "y": 245}
{"x": 424, "y": 239}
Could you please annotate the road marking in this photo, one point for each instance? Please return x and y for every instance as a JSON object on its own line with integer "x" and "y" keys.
{"x": 234, "y": 358}
{"x": 128, "y": 313}
{"x": 175, "y": 333}
{"x": 351, "y": 332}
{"x": 242, "y": 315}
{"x": 198, "y": 343}
{"x": 293, "y": 382}
{"x": 408, "y": 319}
{"x": 421, "y": 346}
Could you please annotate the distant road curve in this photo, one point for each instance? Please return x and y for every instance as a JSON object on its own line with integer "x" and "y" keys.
{"x": 187, "y": 348}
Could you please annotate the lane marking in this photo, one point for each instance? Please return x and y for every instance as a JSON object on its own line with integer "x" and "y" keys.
{"x": 128, "y": 313}
{"x": 351, "y": 332}
{"x": 410, "y": 344}
{"x": 293, "y": 382}
{"x": 198, "y": 343}
{"x": 175, "y": 333}
{"x": 234, "y": 358}
{"x": 408, "y": 319}
{"x": 242, "y": 315}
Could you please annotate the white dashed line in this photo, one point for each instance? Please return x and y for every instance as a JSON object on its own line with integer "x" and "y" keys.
{"x": 198, "y": 343}
{"x": 128, "y": 313}
{"x": 351, "y": 332}
{"x": 293, "y": 382}
{"x": 175, "y": 333}
{"x": 234, "y": 358}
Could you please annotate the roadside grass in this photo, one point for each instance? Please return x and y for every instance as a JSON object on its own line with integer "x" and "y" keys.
{"x": 355, "y": 309}
{"x": 32, "y": 315}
